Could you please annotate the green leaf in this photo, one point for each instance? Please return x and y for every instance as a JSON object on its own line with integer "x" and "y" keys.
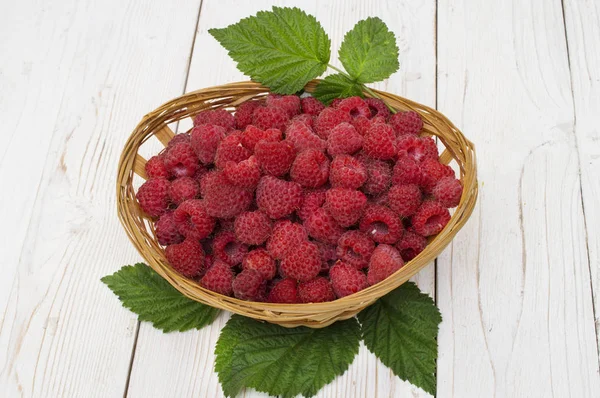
{"x": 401, "y": 330}
{"x": 282, "y": 49}
{"x": 281, "y": 361}
{"x": 146, "y": 293}
{"x": 369, "y": 52}
{"x": 336, "y": 86}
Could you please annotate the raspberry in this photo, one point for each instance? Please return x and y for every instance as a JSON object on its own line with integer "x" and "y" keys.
{"x": 226, "y": 225}
{"x": 345, "y": 205}
{"x": 344, "y": 139}
{"x": 208, "y": 261}
{"x": 328, "y": 255}
{"x": 379, "y": 176}
{"x": 312, "y": 201}
{"x": 226, "y": 248}
{"x": 355, "y": 248}
{"x": 243, "y": 113}
{"x": 230, "y": 149}
{"x": 308, "y": 120}
{"x": 302, "y": 137}
{"x": 166, "y": 230}
{"x": 291, "y": 103}
{"x": 244, "y": 174}
{"x": 178, "y": 138}
{"x": 317, "y": 290}
{"x": 381, "y": 224}
{"x": 205, "y": 140}
{"x": 363, "y": 124}
{"x": 322, "y": 226}
{"x": 250, "y": 285}
{"x": 182, "y": 189}
{"x": 328, "y": 119}
{"x": 303, "y": 263}
{"x": 155, "y": 168}
{"x": 432, "y": 172}
{"x": 419, "y": 148}
{"x": 219, "y": 117}
{"x": 252, "y": 135}
{"x": 275, "y": 158}
{"x": 406, "y": 171}
{"x": 311, "y": 105}
{"x": 404, "y": 199}
{"x": 377, "y": 107}
{"x": 186, "y": 257}
{"x": 336, "y": 102}
{"x": 354, "y": 106}
{"x": 180, "y": 160}
{"x": 286, "y": 236}
{"x": 218, "y": 278}
{"x": 270, "y": 117}
{"x": 347, "y": 172}
{"x": 380, "y": 142}
{"x": 410, "y": 245}
{"x": 385, "y": 260}
{"x": 153, "y": 196}
{"x": 252, "y": 228}
{"x": 261, "y": 261}
{"x": 278, "y": 198}
{"x": 192, "y": 219}
{"x": 381, "y": 199}
{"x": 222, "y": 199}
{"x": 407, "y": 123}
{"x": 346, "y": 279}
{"x": 310, "y": 169}
{"x": 447, "y": 191}
{"x": 284, "y": 292}
{"x": 430, "y": 219}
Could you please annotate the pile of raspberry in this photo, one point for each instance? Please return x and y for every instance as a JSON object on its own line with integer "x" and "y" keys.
{"x": 289, "y": 201}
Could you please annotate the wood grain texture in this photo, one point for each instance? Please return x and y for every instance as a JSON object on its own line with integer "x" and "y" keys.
{"x": 75, "y": 76}
{"x": 514, "y": 288}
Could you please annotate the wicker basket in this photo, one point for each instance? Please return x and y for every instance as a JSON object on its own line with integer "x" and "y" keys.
{"x": 140, "y": 230}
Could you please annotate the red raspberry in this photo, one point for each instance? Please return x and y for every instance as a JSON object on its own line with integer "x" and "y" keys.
{"x": 410, "y": 245}
{"x": 322, "y": 226}
{"x": 344, "y": 139}
{"x": 404, "y": 199}
{"x": 419, "y": 148}
{"x": 186, "y": 257}
{"x": 345, "y": 205}
{"x": 336, "y": 102}
{"x": 222, "y": 199}
{"x": 208, "y": 260}
{"x": 270, "y": 117}
{"x": 328, "y": 119}
{"x": 166, "y": 230}
{"x": 250, "y": 285}
{"x": 243, "y": 113}
{"x": 407, "y": 123}
{"x": 155, "y": 168}
{"x": 291, "y": 103}
{"x": 153, "y": 196}
{"x": 302, "y": 137}
{"x": 178, "y": 138}
{"x": 310, "y": 169}
{"x": 328, "y": 255}
{"x": 219, "y": 117}
{"x": 218, "y": 278}
{"x": 355, "y": 248}
{"x": 347, "y": 172}
{"x": 286, "y": 236}
{"x": 182, "y": 189}
{"x": 380, "y": 142}
{"x": 308, "y": 120}
{"x": 252, "y": 228}
{"x": 244, "y": 174}
{"x": 228, "y": 249}
{"x": 381, "y": 199}
{"x": 226, "y": 225}
{"x": 230, "y": 149}
{"x": 192, "y": 219}
{"x": 385, "y": 260}
{"x": 312, "y": 201}
{"x": 379, "y": 176}
{"x": 252, "y": 135}
{"x": 303, "y": 263}
{"x": 377, "y": 107}
{"x": 205, "y": 140}
{"x": 261, "y": 261}
{"x": 284, "y": 292}
{"x": 311, "y": 105}
{"x": 381, "y": 224}
{"x": 180, "y": 160}
{"x": 275, "y": 158}
{"x": 278, "y": 198}
{"x": 406, "y": 171}
{"x": 363, "y": 124}
{"x": 430, "y": 219}
{"x": 432, "y": 172}
{"x": 317, "y": 290}
{"x": 354, "y": 106}
{"x": 346, "y": 279}
{"x": 447, "y": 191}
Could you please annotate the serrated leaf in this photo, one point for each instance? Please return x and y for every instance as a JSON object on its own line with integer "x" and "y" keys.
{"x": 282, "y": 49}
{"x": 281, "y": 361}
{"x": 401, "y": 330}
{"x": 369, "y": 52}
{"x": 146, "y": 293}
{"x": 336, "y": 86}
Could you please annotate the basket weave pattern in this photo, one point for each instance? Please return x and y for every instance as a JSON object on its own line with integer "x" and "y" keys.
{"x": 140, "y": 229}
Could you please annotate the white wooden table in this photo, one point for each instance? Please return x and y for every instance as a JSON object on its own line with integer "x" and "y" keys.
{"x": 518, "y": 287}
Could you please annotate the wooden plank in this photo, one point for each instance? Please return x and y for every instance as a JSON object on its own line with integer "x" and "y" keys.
{"x": 75, "y": 78}
{"x": 514, "y": 288}
{"x": 182, "y": 365}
